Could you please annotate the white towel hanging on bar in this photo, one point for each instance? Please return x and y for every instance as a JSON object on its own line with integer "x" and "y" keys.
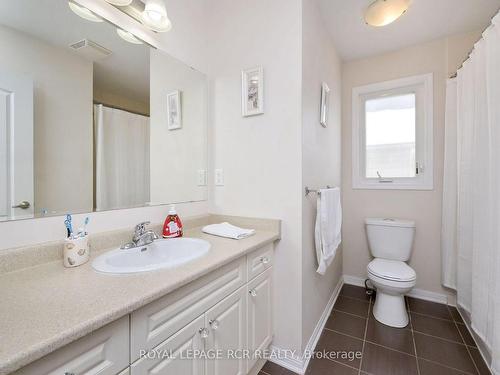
{"x": 328, "y": 227}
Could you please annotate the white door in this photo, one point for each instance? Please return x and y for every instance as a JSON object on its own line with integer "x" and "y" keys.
{"x": 16, "y": 147}
{"x": 260, "y": 326}
{"x": 175, "y": 355}
{"x": 227, "y": 323}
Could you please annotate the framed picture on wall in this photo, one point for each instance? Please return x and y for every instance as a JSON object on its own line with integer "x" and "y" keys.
{"x": 174, "y": 110}
{"x": 252, "y": 91}
{"x": 325, "y": 99}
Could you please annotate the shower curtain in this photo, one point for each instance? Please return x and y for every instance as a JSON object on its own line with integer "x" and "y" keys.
{"x": 471, "y": 197}
{"x": 121, "y": 158}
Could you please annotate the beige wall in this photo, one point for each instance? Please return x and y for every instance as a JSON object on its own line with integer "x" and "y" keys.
{"x": 177, "y": 155}
{"x": 458, "y": 48}
{"x": 439, "y": 57}
{"x": 62, "y": 119}
{"x": 260, "y": 155}
{"x": 321, "y": 164}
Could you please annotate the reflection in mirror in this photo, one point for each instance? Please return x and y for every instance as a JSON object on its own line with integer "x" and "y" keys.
{"x": 91, "y": 118}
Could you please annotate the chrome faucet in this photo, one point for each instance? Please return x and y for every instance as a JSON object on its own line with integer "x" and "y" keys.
{"x": 142, "y": 237}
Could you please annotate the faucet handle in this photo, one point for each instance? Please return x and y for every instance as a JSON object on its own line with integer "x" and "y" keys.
{"x": 141, "y": 227}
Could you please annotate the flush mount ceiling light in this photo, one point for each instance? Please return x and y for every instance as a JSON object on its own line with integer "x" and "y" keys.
{"x": 120, "y": 3}
{"x": 155, "y": 16}
{"x": 384, "y": 12}
{"x": 128, "y": 37}
{"x": 84, "y": 12}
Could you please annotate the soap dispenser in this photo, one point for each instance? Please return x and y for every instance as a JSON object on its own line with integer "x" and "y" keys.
{"x": 173, "y": 225}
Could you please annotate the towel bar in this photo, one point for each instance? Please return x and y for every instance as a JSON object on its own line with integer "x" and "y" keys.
{"x": 309, "y": 191}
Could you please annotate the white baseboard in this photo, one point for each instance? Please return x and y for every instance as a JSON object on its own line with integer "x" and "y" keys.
{"x": 299, "y": 365}
{"x": 416, "y": 293}
{"x": 293, "y": 364}
{"x": 429, "y": 296}
{"x": 353, "y": 280}
{"x": 313, "y": 340}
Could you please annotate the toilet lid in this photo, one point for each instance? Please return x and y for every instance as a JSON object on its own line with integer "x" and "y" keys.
{"x": 391, "y": 270}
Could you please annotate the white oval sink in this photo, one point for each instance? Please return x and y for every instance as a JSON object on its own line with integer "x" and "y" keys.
{"x": 161, "y": 254}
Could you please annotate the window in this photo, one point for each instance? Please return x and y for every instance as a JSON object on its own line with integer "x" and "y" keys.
{"x": 392, "y": 134}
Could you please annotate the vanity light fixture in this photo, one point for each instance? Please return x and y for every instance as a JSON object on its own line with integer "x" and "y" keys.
{"x": 128, "y": 36}
{"x": 84, "y": 12}
{"x": 384, "y": 12}
{"x": 120, "y": 3}
{"x": 155, "y": 16}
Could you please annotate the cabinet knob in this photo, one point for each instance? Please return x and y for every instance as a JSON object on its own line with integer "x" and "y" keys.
{"x": 253, "y": 293}
{"x": 264, "y": 260}
{"x": 203, "y": 333}
{"x": 214, "y": 323}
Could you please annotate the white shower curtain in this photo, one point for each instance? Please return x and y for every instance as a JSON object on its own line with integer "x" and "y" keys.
{"x": 122, "y": 158}
{"x": 471, "y": 199}
{"x": 450, "y": 180}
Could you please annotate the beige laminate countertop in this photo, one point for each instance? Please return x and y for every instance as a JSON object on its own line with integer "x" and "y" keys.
{"x": 45, "y": 307}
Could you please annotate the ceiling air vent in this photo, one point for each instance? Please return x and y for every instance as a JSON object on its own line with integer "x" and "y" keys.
{"x": 90, "y": 50}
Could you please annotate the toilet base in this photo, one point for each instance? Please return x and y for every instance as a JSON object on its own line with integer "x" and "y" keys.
{"x": 390, "y": 310}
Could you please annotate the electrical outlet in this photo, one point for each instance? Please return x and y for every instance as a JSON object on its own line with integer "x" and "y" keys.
{"x": 202, "y": 177}
{"x": 219, "y": 177}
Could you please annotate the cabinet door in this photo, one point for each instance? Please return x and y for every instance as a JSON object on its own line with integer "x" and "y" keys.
{"x": 103, "y": 352}
{"x": 260, "y": 327}
{"x": 175, "y": 355}
{"x": 156, "y": 322}
{"x": 227, "y": 323}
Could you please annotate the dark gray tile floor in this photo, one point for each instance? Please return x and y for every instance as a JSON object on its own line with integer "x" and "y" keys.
{"x": 435, "y": 342}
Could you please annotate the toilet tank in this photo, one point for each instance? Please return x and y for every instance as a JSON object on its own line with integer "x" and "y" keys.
{"x": 390, "y": 238}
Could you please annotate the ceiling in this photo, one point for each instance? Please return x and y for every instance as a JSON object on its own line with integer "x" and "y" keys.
{"x": 425, "y": 20}
{"x": 125, "y": 71}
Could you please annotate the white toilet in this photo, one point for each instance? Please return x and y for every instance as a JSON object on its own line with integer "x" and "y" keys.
{"x": 390, "y": 242}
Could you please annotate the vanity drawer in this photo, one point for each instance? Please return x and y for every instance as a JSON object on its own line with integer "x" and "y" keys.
{"x": 103, "y": 352}
{"x": 259, "y": 261}
{"x": 156, "y": 322}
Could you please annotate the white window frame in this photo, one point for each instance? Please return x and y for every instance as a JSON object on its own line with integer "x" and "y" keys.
{"x": 422, "y": 86}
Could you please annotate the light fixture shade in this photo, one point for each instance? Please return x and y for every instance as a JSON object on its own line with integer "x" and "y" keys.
{"x": 384, "y": 12}
{"x": 128, "y": 37}
{"x": 84, "y": 12}
{"x": 155, "y": 16}
{"x": 121, "y": 3}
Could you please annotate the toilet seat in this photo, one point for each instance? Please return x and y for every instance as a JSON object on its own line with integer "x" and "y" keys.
{"x": 392, "y": 270}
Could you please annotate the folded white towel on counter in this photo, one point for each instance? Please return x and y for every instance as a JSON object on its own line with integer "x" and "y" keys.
{"x": 328, "y": 227}
{"x": 228, "y": 230}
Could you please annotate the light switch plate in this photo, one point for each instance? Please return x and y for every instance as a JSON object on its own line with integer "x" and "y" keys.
{"x": 202, "y": 177}
{"x": 219, "y": 177}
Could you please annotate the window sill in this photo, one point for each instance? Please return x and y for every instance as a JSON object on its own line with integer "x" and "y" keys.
{"x": 392, "y": 186}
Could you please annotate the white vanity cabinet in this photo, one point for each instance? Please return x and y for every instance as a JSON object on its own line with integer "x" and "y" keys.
{"x": 222, "y": 328}
{"x": 260, "y": 327}
{"x": 208, "y": 327}
{"x": 171, "y": 356}
{"x": 157, "y": 321}
{"x": 227, "y": 324}
{"x": 259, "y": 261}
{"x": 228, "y": 328}
{"x": 103, "y": 352}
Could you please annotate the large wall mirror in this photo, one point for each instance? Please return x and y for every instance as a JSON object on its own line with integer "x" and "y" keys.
{"x": 91, "y": 119}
